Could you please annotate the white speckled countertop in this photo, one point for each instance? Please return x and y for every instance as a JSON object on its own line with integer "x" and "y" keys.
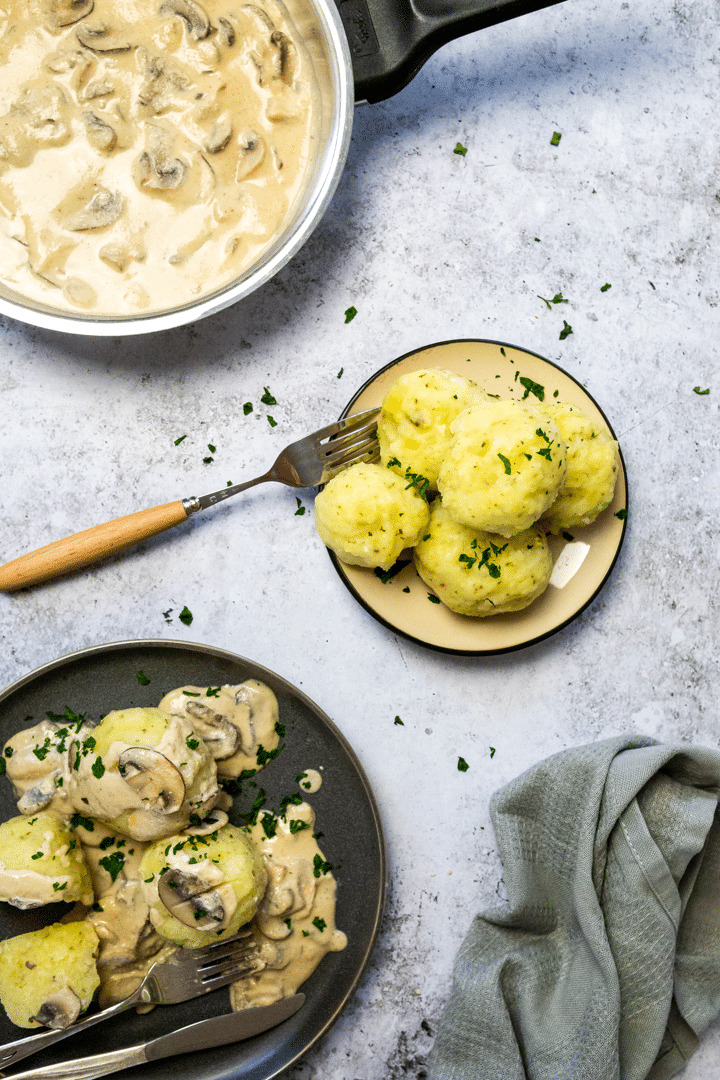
{"x": 427, "y": 245}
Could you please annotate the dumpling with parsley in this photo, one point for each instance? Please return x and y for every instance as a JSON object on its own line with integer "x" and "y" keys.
{"x": 144, "y": 773}
{"x": 368, "y": 515}
{"x": 478, "y": 573}
{"x": 203, "y": 888}
{"x": 592, "y": 464}
{"x": 504, "y": 467}
{"x": 415, "y": 418}
{"x": 42, "y": 862}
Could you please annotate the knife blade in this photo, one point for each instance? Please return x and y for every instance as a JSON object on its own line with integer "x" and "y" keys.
{"x": 203, "y": 1035}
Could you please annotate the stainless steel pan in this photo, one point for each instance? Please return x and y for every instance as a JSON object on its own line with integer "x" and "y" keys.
{"x": 362, "y": 51}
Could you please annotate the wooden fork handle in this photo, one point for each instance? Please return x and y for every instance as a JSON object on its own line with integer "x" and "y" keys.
{"x": 90, "y": 546}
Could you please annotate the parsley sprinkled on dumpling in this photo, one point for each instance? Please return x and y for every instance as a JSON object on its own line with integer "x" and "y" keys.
{"x": 592, "y": 464}
{"x": 368, "y": 515}
{"x": 478, "y": 573}
{"x": 504, "y": 467}
{"x": 414, "y": 424}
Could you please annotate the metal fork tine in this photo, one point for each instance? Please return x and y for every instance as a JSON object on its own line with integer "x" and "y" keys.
{"x": 369, "y": 456}
{"x": 213, "y": 967}
{"x": 231, "y": 974}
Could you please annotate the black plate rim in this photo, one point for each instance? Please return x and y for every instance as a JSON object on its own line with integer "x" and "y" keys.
{"x": 290, "y": 688}
{"x": 447, "y": 650}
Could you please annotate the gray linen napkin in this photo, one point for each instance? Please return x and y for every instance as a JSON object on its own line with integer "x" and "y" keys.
{"x": 605, "y": 962}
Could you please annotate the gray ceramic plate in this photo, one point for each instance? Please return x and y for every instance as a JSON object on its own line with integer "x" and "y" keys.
{"x": 97, "y": 680}
{"x": 582, "y": 563}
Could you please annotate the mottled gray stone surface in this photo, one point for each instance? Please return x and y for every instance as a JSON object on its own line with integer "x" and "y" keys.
{"x": 427, "y": 245}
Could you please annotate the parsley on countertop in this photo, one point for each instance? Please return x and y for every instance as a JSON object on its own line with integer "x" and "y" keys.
{"x": 566, "y": 330}
{"x": 460, "y": 149}
{"x": 350, "y": 314}
{"x": 462, "y": 765}
{"x": 556, "y": 137}
{"x": 186, "y": 616}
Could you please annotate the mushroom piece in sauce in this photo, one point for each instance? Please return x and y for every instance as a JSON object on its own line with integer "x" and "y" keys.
{"x": 189, "y": 899}
{"x": 59, "y": 1011}
{"x": 153, "y": 778}
{"x": 196, "y": 18}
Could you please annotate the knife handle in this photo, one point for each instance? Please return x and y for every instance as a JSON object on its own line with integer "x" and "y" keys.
{"x": 79, "y": 1069}
{"x": 88, "y": 547}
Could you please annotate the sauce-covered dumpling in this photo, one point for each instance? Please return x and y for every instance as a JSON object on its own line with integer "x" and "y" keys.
{"x": 414, "y": 423}
{"x": 368, "y": 515}
{"x": 145, "y": 773}
{"x": 48, "y": 977}
{"x": 202, "y": 888}
{"x": 42, "y": 862}
{"x": 503, "y": 469}
{"x": 478, "y": 573}
{"x": 592, "y": 464}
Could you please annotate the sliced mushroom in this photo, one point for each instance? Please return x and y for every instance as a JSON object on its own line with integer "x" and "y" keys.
{"x": 155, "y": 168}
{"x": 104, "y": 209}
{"x": 37, "y": 797}
{"x": 60, "y": 1010}
{"x": 226, "y": 31}
{"x": 153, "y": 778}
{"x": 98, "y": 89}
{"x": 116, "y": 257}
{"x": 252, "y": 152}
{"x": 219, "y": 733}
{"x": 67, "y": 12}
{"x": 285, "y": 57}
{"x": 195, "y": 17}
{"x": 103, "y": 38}
{"x": 188, "y": 899}
{"x": 219, "y": 136}
{"x": 100, "y": 134}
{"x": 214, "y": 820}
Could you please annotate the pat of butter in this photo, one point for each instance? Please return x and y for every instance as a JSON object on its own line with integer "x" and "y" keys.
{"x": 568, "y": 563}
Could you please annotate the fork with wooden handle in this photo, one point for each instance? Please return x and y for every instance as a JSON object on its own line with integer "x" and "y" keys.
{"x": 308, "y": 462}
{"x": 188, "y": 973}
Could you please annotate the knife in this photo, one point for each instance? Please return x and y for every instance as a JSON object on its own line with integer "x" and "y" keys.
{"x": 217, "y": 1031}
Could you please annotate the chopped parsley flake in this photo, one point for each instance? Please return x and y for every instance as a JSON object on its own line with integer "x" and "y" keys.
{"x": 605, "y": 287}
{"x": 320, "y": 866}
{"x": 37, "y": 855}
{"x": 340, "y": 372}
{"x": 142, "y": 678}
{"x": 272, "y": 421}
{"x": 191, "y": 743}
{"x": 556, "y": 137}
{"x": 211, "y": 448}
{"x": 186, "y": 616}
{"x": 622, "y": 514}
{"x": 506, "y": 464}
{"x": 492, "y": 751}
{"x": 462, "y": 765}
{"x": 350, "y": 313}
{"x": 460, "y": 149}
{"x": 247, "y": 408}
{"x": 98, "y": 769}
{"x": 267, "y": 398}
{"x": 398, "y": 721}
{"x": 319, "y": 923}
{"x": 113, "y": 863}
{"x": 531, "y": 387}
{"x": 433, "y": 599}
{"x": 180, "y": 439}
{"x": 57, "y": 887}
{"x": 296, "y": 825}
{"x": 208, "y": 460}
{"x": 300, "y": 508}
{"x": 697, "y": 390}
{"x": 566, "y": 330}
{"x": 558, "y": 298}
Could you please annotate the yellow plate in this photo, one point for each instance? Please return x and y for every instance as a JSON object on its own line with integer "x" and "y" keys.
{"x": 582, "y": 564}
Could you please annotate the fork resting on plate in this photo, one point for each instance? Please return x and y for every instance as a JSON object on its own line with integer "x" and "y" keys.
{"x": 188, "y": 973}
{"x": 308, "y": 462}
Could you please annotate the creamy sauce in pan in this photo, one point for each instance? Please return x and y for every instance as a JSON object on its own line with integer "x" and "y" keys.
{"x": 294, "y": 927}
{"x": 150, "y": 150}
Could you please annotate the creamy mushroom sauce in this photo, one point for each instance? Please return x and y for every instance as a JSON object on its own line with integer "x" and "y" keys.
{"x": 294, "y": 927}
{"x": 150, "y": 150}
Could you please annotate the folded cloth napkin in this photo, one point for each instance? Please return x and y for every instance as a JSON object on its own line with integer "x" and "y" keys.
{"x": 605, "y": 962}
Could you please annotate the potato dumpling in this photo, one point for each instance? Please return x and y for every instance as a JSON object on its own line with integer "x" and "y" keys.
{"x": 144, "y": 773}
{"x": 203, "y": 888}
{"x": 503, "y": 469}
{"x": 48, "y": 977}
{"x": 592, "y": 465}
{"x": 478, "y": 573}
{"x": 41, "y": 862}
{"x": 368, "y": 515}
{"x": 414, "y": 424}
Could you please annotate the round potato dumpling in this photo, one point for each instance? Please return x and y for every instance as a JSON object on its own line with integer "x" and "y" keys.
{"x": 414, "y": 424}
{"x": 41, "y": 862}
{"x": 503, "y": 469}
{"x": 144, "y": 773}
{"x": 368, "y": 515}
{"x": 48, "y": 977}
{"x": 478, "y": 573}
{"x": 203, "y": 888}
{"x": 592, "y": 465}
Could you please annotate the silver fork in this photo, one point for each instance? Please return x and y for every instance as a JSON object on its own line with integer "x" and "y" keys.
{"x": 308, "y": 462}
{"x": 188, "y": 973}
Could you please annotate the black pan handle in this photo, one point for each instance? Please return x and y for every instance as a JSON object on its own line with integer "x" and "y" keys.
{"x": 390, "y": 40}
